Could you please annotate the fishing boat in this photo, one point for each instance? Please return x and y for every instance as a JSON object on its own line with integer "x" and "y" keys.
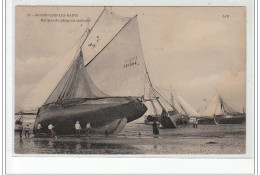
{"x": 174, "y": 112}
{"x": 218, "y": 111}
{"x": 106, "y": 89}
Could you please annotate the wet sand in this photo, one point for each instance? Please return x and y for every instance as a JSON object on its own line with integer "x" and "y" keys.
{"x": 206, "y": 139}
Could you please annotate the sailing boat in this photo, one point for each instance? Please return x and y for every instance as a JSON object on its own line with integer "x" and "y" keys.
{"x": 108, "y": 90}
{"x": 221, "y": 112}
{"x": 182, "y": 107}
{"x": 172, "y": 112}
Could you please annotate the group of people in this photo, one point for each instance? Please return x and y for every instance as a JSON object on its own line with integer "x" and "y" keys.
{"x": 50, "y": 129}
{"x": 26, "y": 130}
{"x": 77, "y": 127}
{"x": 88, "y": 129}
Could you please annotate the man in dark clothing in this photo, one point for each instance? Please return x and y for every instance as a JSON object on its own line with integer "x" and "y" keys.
{"x": 155, "y": 128}
{"x": 20, "y": 128}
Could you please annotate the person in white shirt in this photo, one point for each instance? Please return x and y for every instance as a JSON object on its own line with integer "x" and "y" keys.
{"x": 106, "y": 130}
{"x": 197, "y": 123}
{"x": 27, "y": 131}
{"x": 88, "y": 127}
{"x": 50, "y": 127}
{"x": 38, "y": 129}
{"x": 77, "y": 128}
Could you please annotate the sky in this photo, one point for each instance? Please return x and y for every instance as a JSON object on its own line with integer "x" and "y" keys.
{"x": 196, "y": 50}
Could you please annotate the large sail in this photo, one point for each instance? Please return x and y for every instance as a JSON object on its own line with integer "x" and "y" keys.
{"x": 119, "y": 68}
{"x": 106, "y": 27}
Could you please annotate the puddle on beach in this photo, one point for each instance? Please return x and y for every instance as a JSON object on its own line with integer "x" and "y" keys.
{"x": 38, "y": 146}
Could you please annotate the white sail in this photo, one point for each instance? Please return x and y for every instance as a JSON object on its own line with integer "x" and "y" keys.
{"x": 119, "y": 69}
{"x": 189, "y": 110}
{"x": 218, "y": 106}
{"x": 174, "y": 100}
{"x": 105, "y": 28}
{"x": 202, "y": 107}
{"x": 214, "y": 107}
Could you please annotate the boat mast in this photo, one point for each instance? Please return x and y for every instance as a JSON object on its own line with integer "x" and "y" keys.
{"x": 172, "y": 101}
{"x": 91, "y": 29}
{"x": 179, "y": 102}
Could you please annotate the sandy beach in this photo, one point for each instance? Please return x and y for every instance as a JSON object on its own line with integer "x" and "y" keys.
{"x": 206, "y": 139}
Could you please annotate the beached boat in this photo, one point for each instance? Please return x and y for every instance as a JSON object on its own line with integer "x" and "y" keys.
{"x": 218, "y": 111}
{"x": 108, "y": 91}
{"x": 174, "y": 111}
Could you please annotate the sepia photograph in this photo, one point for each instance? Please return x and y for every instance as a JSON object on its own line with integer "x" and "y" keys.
{"x": 133, "y": 80}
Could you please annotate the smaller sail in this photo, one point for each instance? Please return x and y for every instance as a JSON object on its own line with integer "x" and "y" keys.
{"x": 202, "y": 107}
{"x": 229, "y": 108}
{"x": 218, "y": 106}
{"x": 213, "y": 108}
{"x": 189, "y": 110}
{"x": 75, "y": 84}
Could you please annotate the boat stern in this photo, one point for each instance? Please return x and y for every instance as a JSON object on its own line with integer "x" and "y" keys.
{"x": 137, "y": 110}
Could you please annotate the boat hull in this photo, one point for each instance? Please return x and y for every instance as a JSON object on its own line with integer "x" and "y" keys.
{"x": 167, "y": 122}
{"x": 230, "y": 119}
{"x": 111, "y": 111}
{"x": 206, "y": 121}
{"x": 173, "y": 121}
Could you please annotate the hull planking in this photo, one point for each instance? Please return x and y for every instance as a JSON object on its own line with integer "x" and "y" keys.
{"x": 230, "y": 119}
{"x": 98, "y": 112}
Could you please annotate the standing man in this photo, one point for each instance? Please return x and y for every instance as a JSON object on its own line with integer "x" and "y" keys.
{"x": 20, "y": 128}
{"x": 106, "y": 130}
{"x": 197, "y": 123}
{"x": 88, "y": 127}
{"x": 27, "y": 130}
{"x": 78, "y": 128}
{"x": 194, "y": 123}
{"x": 38, "y": 129}
{"x": 155, "y": 128}
{"x": 50, "y": 127}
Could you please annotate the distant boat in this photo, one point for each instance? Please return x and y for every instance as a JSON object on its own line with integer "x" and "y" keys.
{"x": 218, "y": 111}
{"x": 108, "y": 90}
{"x": 174, "y": 111}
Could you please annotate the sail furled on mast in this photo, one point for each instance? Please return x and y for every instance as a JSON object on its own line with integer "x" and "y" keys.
{"x": 75, "y": 84}
{"x": 119, "y": 68}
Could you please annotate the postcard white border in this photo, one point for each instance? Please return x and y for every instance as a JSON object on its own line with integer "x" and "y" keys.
{"x": 159, "y": 164}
